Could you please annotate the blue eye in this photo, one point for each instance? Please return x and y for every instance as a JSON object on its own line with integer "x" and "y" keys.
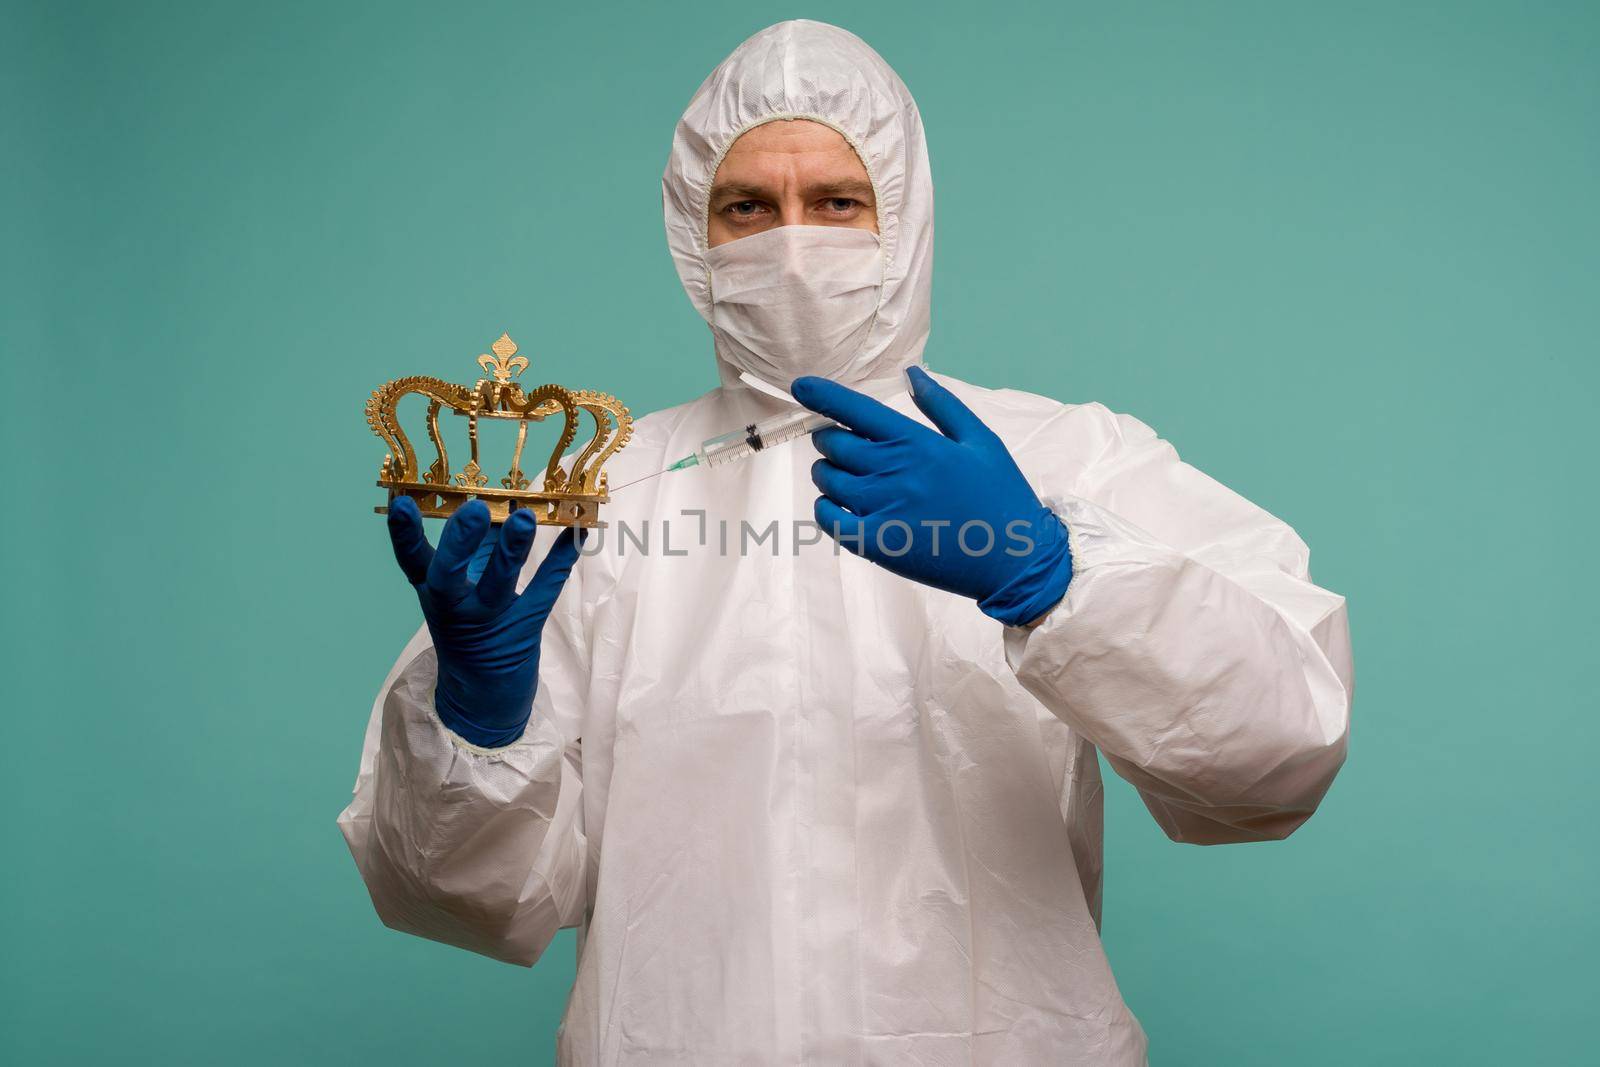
{"x": 840, "y": 203}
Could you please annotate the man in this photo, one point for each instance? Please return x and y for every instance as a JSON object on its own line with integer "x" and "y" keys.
{"x": 840, "y": 807}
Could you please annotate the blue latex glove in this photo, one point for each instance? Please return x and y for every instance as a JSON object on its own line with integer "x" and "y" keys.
{"x": 901, "y": 495}
{"x": 486, "y": 635}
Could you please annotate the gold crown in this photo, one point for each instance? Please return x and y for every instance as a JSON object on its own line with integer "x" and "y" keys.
{"x": 570, "y": 497}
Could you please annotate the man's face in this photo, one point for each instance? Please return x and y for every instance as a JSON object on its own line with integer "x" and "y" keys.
{"x": 789, "y": 172}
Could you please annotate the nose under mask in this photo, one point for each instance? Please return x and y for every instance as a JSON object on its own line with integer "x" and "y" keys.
{"x": 795, "y": 300}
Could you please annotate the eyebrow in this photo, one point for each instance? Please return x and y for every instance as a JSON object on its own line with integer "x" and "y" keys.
{"x": 855, "y": 188}
{"x": 851, "y": 187}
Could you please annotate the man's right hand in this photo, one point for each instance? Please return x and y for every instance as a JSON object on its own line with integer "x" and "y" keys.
{"x": 485, "y": 634}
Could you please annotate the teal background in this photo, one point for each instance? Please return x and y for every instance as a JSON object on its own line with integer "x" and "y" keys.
{"x": 1343, "y": 256}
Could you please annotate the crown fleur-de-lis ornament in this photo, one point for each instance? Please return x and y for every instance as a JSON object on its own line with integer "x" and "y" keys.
{"x": 567, "y": 497}
{"x": 505, "y": 364}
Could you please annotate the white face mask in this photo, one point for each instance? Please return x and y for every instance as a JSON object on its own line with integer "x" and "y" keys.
{"x": 795, "y": 300}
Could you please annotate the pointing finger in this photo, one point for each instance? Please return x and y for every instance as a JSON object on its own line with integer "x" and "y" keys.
{"x": 866, "y": 416}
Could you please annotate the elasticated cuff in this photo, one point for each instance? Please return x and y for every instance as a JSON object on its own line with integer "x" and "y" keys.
{"x": 463, "y": 727}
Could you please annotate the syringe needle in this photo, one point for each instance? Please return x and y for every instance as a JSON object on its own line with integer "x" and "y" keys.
{"x": 691, "y": 460}
{"x": 636, "y": 481}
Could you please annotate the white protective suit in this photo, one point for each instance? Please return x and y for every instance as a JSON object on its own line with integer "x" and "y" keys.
{"x": 806, "y": 811}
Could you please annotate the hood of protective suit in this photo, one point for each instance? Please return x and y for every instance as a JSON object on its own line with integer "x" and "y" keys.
{"x": 810, "y": 70}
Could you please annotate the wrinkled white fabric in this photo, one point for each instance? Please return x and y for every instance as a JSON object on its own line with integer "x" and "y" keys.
{"x": 795, "y": 300}
{"x": 805, "y": 811}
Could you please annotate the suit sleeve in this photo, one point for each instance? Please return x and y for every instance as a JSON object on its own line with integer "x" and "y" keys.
{"x": 479, "y": 848}
{"x": 1192, "y": 647}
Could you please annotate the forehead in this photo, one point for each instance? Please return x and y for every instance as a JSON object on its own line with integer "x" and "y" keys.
{"x": 786, "y": 146}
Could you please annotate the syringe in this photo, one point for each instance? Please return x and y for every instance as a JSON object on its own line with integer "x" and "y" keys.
{"x": 742, "y": 444}
{"x": 758, "y": 436}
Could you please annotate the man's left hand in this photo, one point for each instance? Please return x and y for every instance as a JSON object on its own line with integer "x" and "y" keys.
{"x": 947, "y": 508}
